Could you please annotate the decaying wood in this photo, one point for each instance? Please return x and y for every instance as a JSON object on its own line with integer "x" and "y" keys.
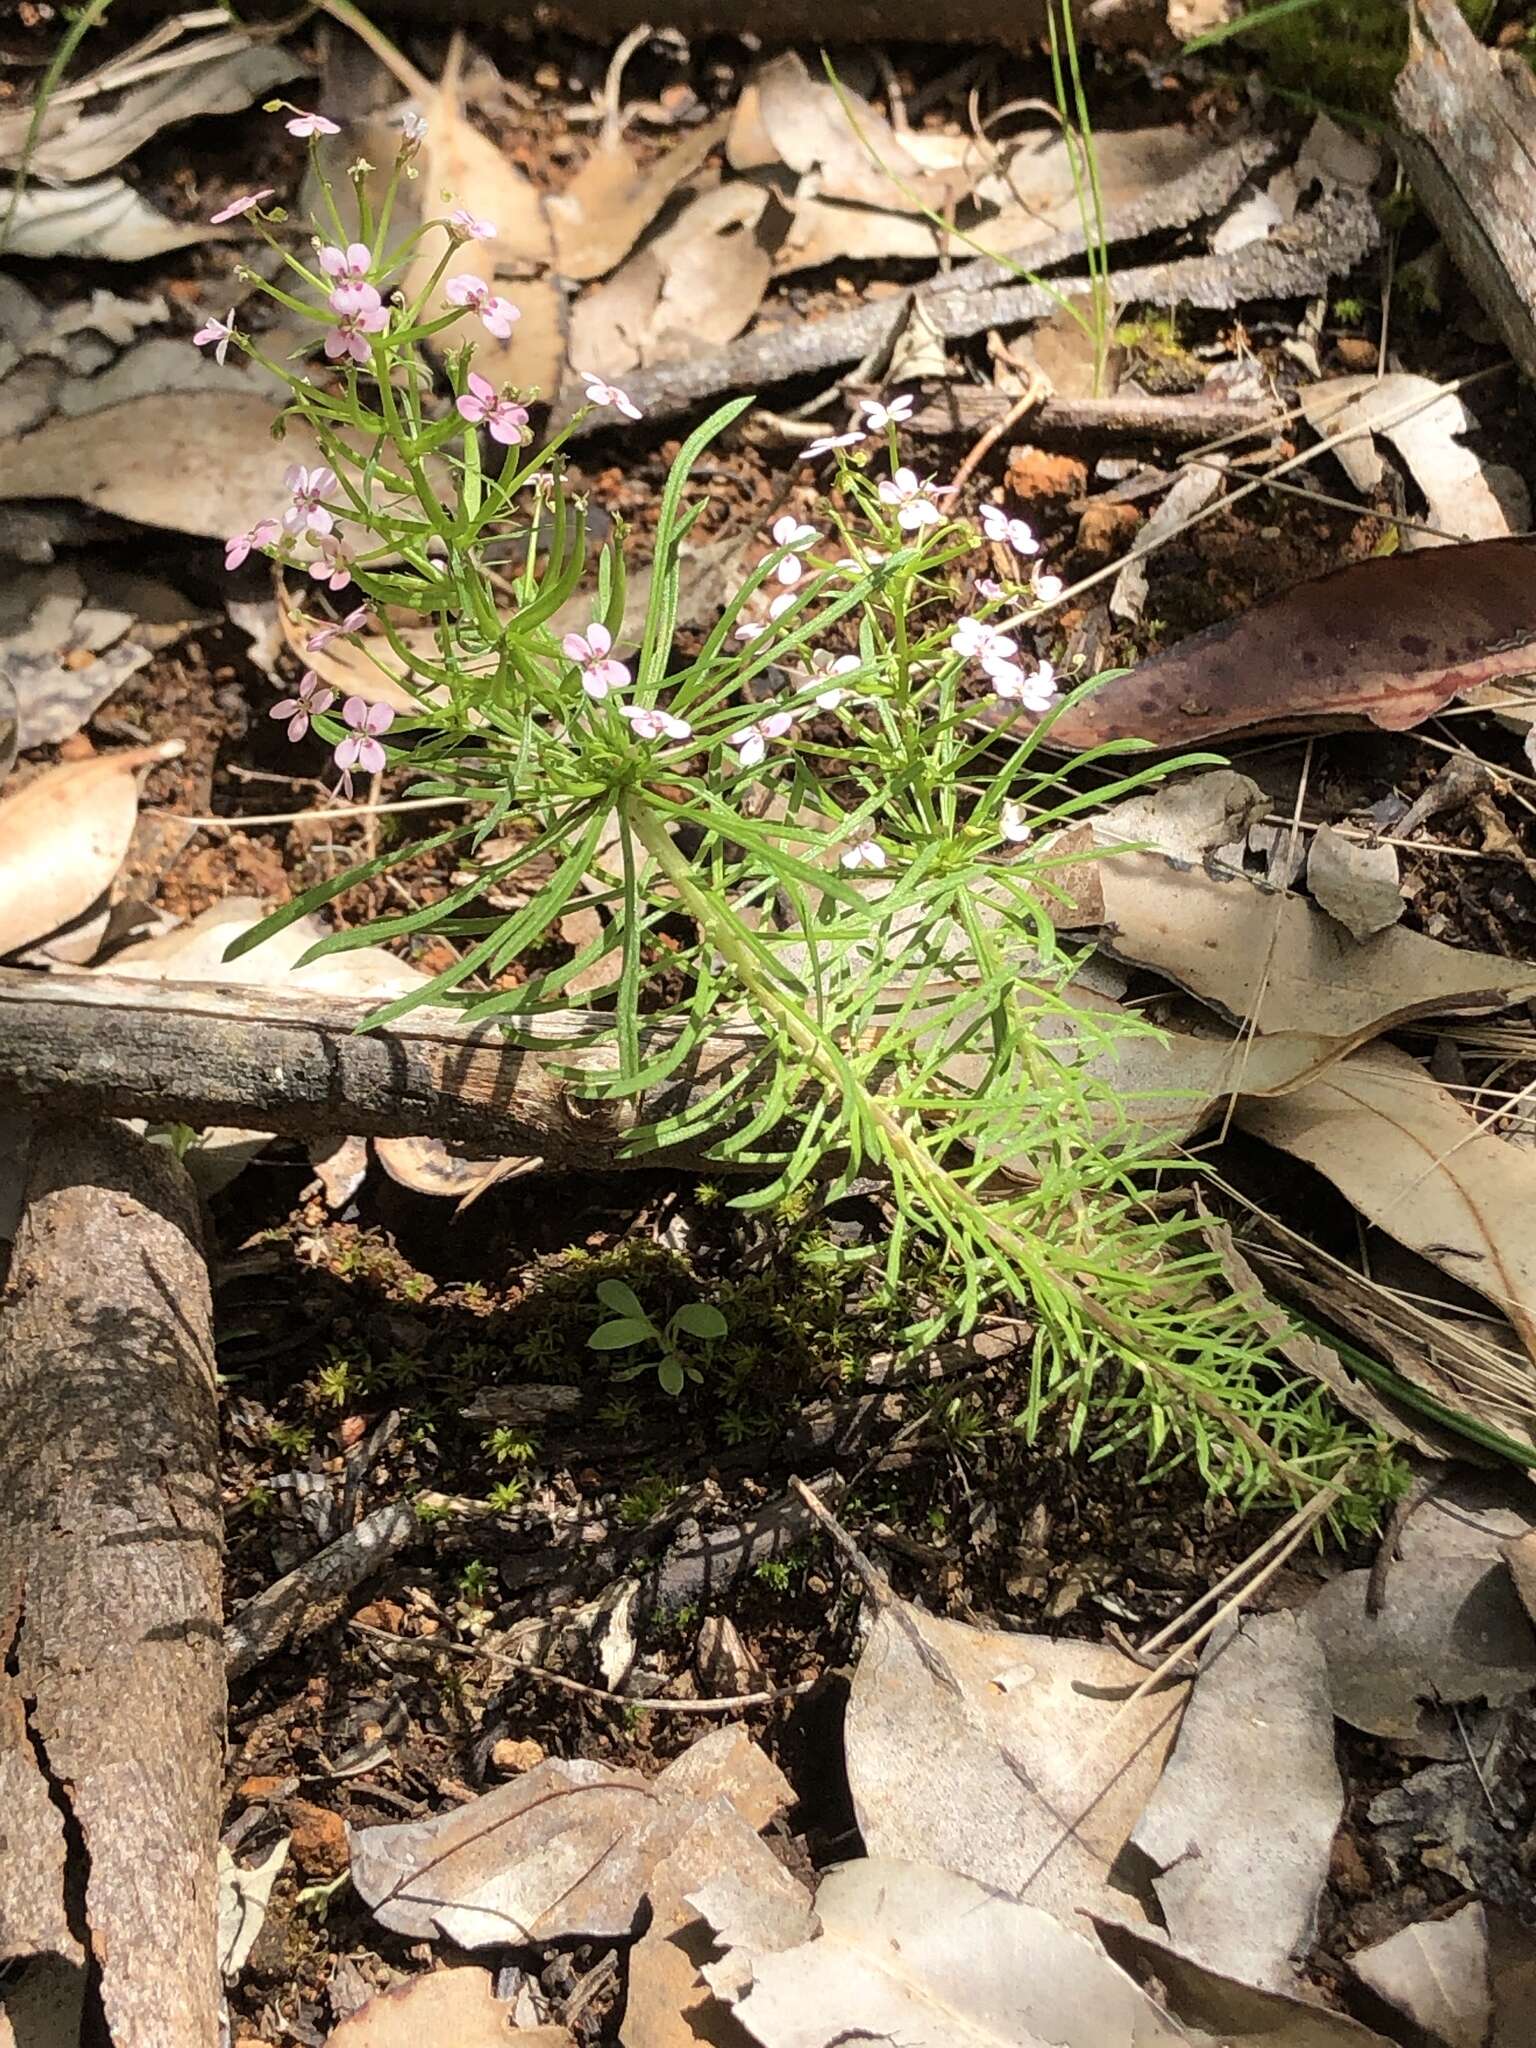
{"x": 1467, "y": 138}
{"x": 1295, "y": 262}
{"x": 94, "y": 1044}
{"x": 112, "y": 1698}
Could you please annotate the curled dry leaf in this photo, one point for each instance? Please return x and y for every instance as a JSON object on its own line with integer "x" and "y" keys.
{"x": 1011, "y": 1758}
{"x": 1466, "y": 499}
{"x": 1422, "y": 1168}
{"x": 1386, "y": 642}
{"x": 63, "y": 839}
{"x": 243, "y": 1897}
{"x": 1436, "y": 1975}
{"x": 915, "y": 1954}
{"x": 105, "y": 220}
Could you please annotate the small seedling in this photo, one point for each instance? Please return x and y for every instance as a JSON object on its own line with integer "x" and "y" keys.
{"x": 507, "y": 1493}
{"x": 631, "y": 1326}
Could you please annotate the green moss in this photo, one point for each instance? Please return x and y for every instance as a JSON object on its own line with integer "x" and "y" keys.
{"x": 1343, "y": 54}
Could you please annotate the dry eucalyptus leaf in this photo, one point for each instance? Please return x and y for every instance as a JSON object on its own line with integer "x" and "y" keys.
{"x": 1450, "y": 1629}
{"x": 1241, "y": 1824}
{"x": 611, "y": 201}
{"x": 63, "y": 838}
{"x": 808, "y": 128}
{"x": 202, "y": 463}
{"x": 428, "y": 1166}
{"x": 1029, "y": 1776}
{"x": 913, "y": 1953}
{"x": 443, "y": 2009}
{"x": 1274, "y": 961}
{"x": 1436, "y": 1975}
{"x": 62, "y": 647}
{"x": 72, "y": 144}
{"x": 1419, "y": 1166}
{"x": 1465, "y": 497}
{"x": 1358, "y": 885}
{"x": 1217, "y": 2008}
{"x": 668, "y": 2003}
{"x": 727, "y": 1764}
{"x": 611, "y": 325}
{"x": 162, "y": 363}
{"x": 106, "y": 221}
{"x": 243, "y": 1897}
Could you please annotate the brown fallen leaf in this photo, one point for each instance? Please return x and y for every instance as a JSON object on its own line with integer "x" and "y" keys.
{"x": 611, "y": 201}
{"x": 1419, "y": 1166}
{"x": 1013, "y": 1758}
{"x": 1387, "y": 642}
{"x": 444, "y": 2009}
{"x": 63, "y": 839}
{"x": 785, "y": 116}
{"x": 1436, "y": 1975}
{"x": 148, "y": 459}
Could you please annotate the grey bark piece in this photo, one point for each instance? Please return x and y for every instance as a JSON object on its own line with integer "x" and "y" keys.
{"x": 1467, "y": 137}
{"x": 310, "y": 1596}
{"x": 1436, "y": 1975}
{"x": 1244, "y": 1816}
{"x": 1357, "y": 885}
{"x": 112, "y": 1699}
{"x": 1296, "y": 262}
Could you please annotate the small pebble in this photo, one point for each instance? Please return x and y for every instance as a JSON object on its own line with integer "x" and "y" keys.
{"x": 512, "y": 1755}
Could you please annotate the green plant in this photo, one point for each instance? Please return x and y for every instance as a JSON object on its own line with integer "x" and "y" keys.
{"x": 874, "y": 926}
{"x": 647, "y": 1500}
{"x": 507, "y": 1493}
{"x": 619, "y": 1413}
{"x": 293, "y": 1439}
{"x": 343, "y": 1379}
{"x": 507, "y": 1446}
{"x": 477, "y": 1583}
{"x": 630, "y": 1326}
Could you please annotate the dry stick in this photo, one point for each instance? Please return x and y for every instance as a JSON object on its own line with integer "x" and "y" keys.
{"x": 309, "y": 1597}
{"x": 1030, "y": 397}
{"x": 975, "y": 296}
{"x": 736, "y": 1703}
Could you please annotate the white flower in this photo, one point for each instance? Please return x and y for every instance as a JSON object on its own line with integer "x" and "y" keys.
{"x": 916, "y": 501}
{"x": 974, "y": 640}
{"x": 1012, "y": 825}
{"x": 864, "y": 853}
{"x": 781, "y": 604}
{"x": 789, "y": 532}
{"x": 1018, "y": 535}
{"x": 824, "y": 663}
{"x": 752, "y": 744}
{"x": 878, "y": 417}
{"x": 650, "y": 722}
{"x": 749, "y": 629}
{"x": 827, "y": 442}
{"x": 1035, "y": 691}
{"x": 1047, "y": 588}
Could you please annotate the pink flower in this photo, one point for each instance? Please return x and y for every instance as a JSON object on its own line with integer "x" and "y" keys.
{"x": 916, "y": 501}
{"x": 1012, "y": 825}
{"x": 989, "y": 588}
{"x": 590, "y": 652}
{"x": 311, "y": 124}
{"x": 1017, "y": 533}
{"x": 599, "y": 393}
{"x": 336, "y": 629}
{"x": 247, "y": 203}
{"x": 497, "y": 313}
{"x": 361, "y": 749}
{"x": 864, "y": 853}
{"x": 973, "y": 640}
{"x": 471, "y": 226}
{"x": 312, "y": 698}
{"x": 482, "y": 404}
{"x": 332, "y": 565}
{"x": 239, "y": 545}
{"x": 309, "y": 487}
{"x": 1036, "y": 692}
{"x": 220, "y": 331}
{"x": 825, "y": 443}
{"x": 752, "y": 744}
{"x": 824, "y": 664}
{"x": 359, "y": 312}
{"x": 652, "y": 723}
{"x": 878, "y": 417}
{"x": 349, "y": 265}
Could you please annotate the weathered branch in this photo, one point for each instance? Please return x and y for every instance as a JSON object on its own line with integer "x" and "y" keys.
{"x": 1295, "y": 262}
{"x": 1171, "y": 422}
{"x": 112, "y": 1693}
{"x": 1467, "y": 122}
{"x": 196, "y": 1053}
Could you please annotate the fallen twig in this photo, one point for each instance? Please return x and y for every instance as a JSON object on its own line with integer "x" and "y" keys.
{"x": 310, "y": 1596}
{"x": 1128, "y": 416}
{"x": 737, "y": 1703}
{"x": 111, "y": 1682}
{"x": 1295, "y": 262}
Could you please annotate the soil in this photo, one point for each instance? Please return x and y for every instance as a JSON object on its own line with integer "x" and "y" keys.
{"x": 363, "y": 1345}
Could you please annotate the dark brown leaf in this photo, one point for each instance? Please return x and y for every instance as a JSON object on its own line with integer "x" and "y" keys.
{"x": 1387, "y": 642}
